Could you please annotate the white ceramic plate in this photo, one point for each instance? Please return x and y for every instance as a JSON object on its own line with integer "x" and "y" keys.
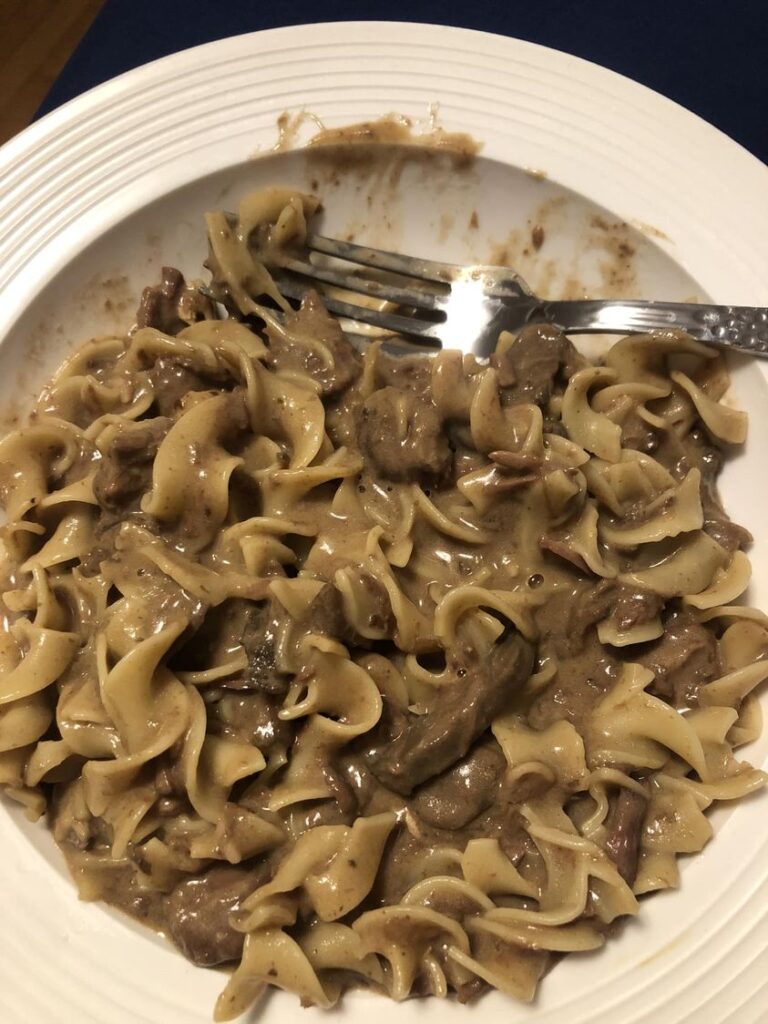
{"x": 98, "y": 194}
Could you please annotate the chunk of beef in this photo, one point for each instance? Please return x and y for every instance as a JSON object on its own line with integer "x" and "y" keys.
{"x": 634, "y": 607}
{"x": 681, "y": 660}
{"x": 538, "y": 361}
{"x": 252, "y": 718}
{"x": 581, "y": 681}
{"x": 408, "y": 373}
{"x": 318, "y": 812}
{"x": 198, "y": 910}
{"x": 638, "y": 435}
{"x": 465, "y": 790}
{"x": 172, "y": 305}
{"x": 326, "y": 615}
{"x": 169, "y": 777}
{"x": 708, "y": 459}
{"x": 401, "y": 435}
{"x": 469, "y": 991}
{"x": 232, "y": 420}
{"x": 624, "y": 828}
{"x": 309, "y": 331}
{"x": 258, "y": 639}
{"x": 378, "y": 607}
{"x": 125, "y": 470}
{"x": 226, "y": 627}
{"x": 406, "y": 861}
{"x": 419, "y": 747}
{"x": 569, "y": 615}
{"x": 586, "y": 670}
{"x": 70, "y": 820}
{"x": 106, "y": 537}
{"x": 171, "y": 380}
{"x": 717, "y": 524}
{"x": 694, "y": 451}
{"x": 345, "y": 793}
{"x": 562, "y": 547}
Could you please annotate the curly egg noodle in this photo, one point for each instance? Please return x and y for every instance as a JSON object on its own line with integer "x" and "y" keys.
{"x": 353, "y": 670}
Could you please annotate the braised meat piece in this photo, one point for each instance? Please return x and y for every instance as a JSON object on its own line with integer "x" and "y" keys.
{"x": 311, "y": 335}
{"x": 125, "y": 471}
{"x": 465, "y": 790}
{"x": 624, "y": 827}
{"x": 172, "y": 305}
{"x": 682, "y": 659}
{"x": 198, "y": 909}
{"x": 419, "y": 747}
{"x": 401, "y": 435}
{"x": 538, "y": 361}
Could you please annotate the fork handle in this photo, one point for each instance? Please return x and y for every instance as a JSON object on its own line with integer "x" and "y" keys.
{"x": 743, "y": 328}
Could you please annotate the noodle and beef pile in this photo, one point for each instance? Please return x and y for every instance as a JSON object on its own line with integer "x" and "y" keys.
{"x": 348, "y": 669}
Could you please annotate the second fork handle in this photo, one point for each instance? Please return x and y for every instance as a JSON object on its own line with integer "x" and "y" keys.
{"x": 744, "y": 328}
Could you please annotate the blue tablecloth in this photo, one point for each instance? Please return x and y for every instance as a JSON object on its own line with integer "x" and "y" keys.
{"x": 709, "y": 55}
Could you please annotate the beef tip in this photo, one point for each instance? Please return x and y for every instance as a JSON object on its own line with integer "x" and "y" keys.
{"x": 344, "y": 793}
{"x": 639, "y": 435}
{"x": 252, "y": 718}
{"x": 232, "y": 420}
{"x": 560, "y": 547}
{"x": 683, "y": 659}
{"x": 244, "y": 500}
{"x": 400, "y": 433}
{"x": 538, "y": 361}
{"x": 106, "y": 534}
{"x": 262, "y": 673}
{"x": 69, "y": 819}
{"x": 716, "y": 522}
{"x": 406, "y": 861}
{"x": 125, "y": 470}
{"x": 416, "y": 748}
{"x": 586, "y": 669}
{"x": 408, "y": 373}
{"x": 679, "y": 456}
{"x": 326, "y": 613}
{"x": 708, "y": 459}
{"x": 233, "y": 623}
{"x": 171, "y": 380}
{"x": 624, "y": 827}
{"x": 169, "y": 774}
{"x": 580, "y": 683}
{"x": 569, "y": 614}
{"x": 258, "y": 639}
{"x": 172, "y": 305}
{"x": 313, "y": 324}
{"x": 316, "y": 813}
{"x": 634, "y": 607}
{"x": 469, "y": 991}
{"x": 197, "y": 913}
{"x": 379, "y": 607}
{"x": 465, "y": 790}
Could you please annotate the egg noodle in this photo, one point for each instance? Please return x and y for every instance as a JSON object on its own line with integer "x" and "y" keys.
{"x": 358, "y": 670}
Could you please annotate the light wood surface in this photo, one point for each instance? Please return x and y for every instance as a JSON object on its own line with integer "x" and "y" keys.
{"x": 38, "y": 37}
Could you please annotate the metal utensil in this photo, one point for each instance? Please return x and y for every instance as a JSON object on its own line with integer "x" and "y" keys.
{"x": 436, "y": 304}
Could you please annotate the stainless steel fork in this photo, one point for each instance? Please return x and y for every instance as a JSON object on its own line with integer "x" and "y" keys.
{"x": 436, "y": 304}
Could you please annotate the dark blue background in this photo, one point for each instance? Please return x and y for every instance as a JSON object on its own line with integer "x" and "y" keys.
{"x": 709, "y": 55}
